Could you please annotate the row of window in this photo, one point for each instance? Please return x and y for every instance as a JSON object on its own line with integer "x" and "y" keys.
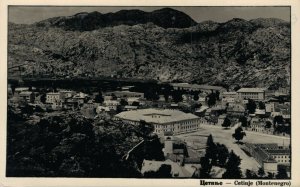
{"x": 282, "y": 161}
{"x": 282, "y": 156}
{"x": 251, "y": 93}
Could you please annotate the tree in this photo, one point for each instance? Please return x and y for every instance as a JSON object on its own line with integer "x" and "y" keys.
{"x": 99, "y": 98}
{"x": 251, "y": 106}
{"x": 156, "y": 148}
{"x": 211, "y": 99}
{"x": 268, "y": 124}
{"x": 135, "y": 103}
{"x": 250, "y": 174}
{"x": 261, "y": 172}
{"x": 145, "y": 129}
{"x": 226, "y": 123}
{"x": 210, "y": 148}
{"x": 166, "y": 96}
{"x": 27, "y": 109}
{"x": 195, "y": 106}
{"x": 233, "y": 170}
{"x": 177, "y": 96}
{"x": 123, "y": 102}
{"x": 163, "y": 172}
{"x": 239, "y": 134}
{"x": 222, "y": 154}
{"x": 196, "y": 96}
{"x": 218, "y": 95}
{"x": 151, "y": 94}
{"x": 281, "y": 173}
{"x": 243, "y": 121}
{"x": 205, "y": 168}
{"x": 261, "y": 105}
{"x": 278, "y": 120}
{"x": 43, "y": 98}
{"x": 270, "y": 175}
{"x": 237, "y": 87}
{"x": 114, "y": 97}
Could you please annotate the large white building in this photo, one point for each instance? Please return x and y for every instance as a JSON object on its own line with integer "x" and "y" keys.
{"x": 256, "y": 94}
{"x": 164, "y": 120}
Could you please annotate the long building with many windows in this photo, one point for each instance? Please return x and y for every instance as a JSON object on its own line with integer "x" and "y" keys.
{"x": 164, "y": 120}
{"x": 256, "y": 94}
{"x": 269, "y": 156}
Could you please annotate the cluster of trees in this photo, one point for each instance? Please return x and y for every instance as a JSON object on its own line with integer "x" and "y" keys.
{"x": 69, "y": 145}
{"x": 280, "y": 126}
{"x": 218, "y": 155}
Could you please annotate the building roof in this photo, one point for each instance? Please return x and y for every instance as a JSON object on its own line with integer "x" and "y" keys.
{"x": 252, "y": 90}
{"x": 66, "y": 91}
{"x": 111, "y": 102}
{"x": 223, "y": 116}
{"x": 53, "y": 93}
{"x": 197, "y": 86}
{"x": 202, "y": 109}
{"x": 229, "y": 93}
{"x": 25, "y": 93}
{"x": 130, "y": 107}
{"x": 129, "y": 99}
{"x": 21, "y": 89}
{"x": 103, "y": 108}
{"x": 159, "y": 116}
{"x": 279, "y": 151}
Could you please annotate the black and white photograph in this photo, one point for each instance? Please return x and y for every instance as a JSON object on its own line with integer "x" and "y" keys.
{"x": 148, "y": 92}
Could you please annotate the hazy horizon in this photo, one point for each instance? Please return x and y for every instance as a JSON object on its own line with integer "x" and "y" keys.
{"x": 32, "y": 14}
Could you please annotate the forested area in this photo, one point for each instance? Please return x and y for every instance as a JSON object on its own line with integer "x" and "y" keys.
{"x": 70, "y": 145}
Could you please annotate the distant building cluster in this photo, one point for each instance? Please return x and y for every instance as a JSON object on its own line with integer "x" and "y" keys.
{"x": 196, "y": 105}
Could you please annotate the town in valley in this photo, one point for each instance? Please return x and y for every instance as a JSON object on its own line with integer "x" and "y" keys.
{"x": 197, "y": 129}
{"x": 149, "y": 92}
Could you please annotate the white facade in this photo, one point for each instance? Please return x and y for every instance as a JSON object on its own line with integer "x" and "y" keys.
{"x": 270, "y": 107}
{"x": 111, "y": 104}
{"x": 256, "y": 94}
{"x": 52, "y": 97}
{"x": 164, "y": 120}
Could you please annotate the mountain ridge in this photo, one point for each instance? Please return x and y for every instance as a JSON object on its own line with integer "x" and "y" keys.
{"x": 247, "y": 53}
{"x": 83, "y": 21}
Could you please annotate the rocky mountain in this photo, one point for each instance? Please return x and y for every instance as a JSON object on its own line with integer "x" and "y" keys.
{"x": 127, "y": 45}
{"x": 166, "y": 18}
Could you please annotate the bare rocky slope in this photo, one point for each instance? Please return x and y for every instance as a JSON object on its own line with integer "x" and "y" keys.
{"x": 247, "y": 53}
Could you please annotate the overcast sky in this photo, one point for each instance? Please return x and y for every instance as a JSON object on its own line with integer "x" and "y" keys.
{"x": 27, "y": 15}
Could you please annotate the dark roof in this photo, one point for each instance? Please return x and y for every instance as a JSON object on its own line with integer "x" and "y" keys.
{"x": 279, "y": 151}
